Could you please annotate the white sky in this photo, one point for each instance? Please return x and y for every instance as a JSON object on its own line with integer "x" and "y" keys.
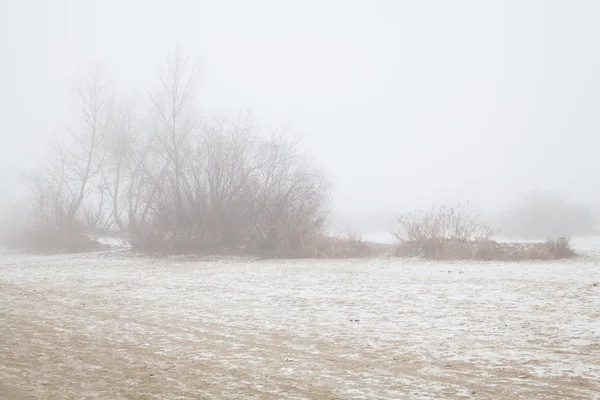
{"x": 404, "y": 103}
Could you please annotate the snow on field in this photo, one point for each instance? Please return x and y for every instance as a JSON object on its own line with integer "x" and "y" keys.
{"x": 112, "y": 326}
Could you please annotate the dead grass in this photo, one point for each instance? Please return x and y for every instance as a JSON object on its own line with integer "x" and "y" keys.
{"x": 443, "y": 249}
{"x": 446, "y": 233}
{"x": 336, "y": 247}
{"x": 349, "y": 245}
{"x": 560, "y": 247}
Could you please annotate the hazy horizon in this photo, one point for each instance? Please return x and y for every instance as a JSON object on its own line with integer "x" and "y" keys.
{"x": 404, "y": 104}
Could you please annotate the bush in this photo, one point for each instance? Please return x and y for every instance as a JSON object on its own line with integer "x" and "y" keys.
{"x": 560, "y": 248}
{"x": 443, "y": 233}
{"x": 441, "y": 224}
{"x": 334, "y": 247}
{"x": 552, "y": 249}
{"x": 350, "y": 245}
{"x": 448, "y": 234}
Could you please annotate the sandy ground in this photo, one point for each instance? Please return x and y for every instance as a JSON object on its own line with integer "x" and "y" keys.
{"x": 112, "y": 326}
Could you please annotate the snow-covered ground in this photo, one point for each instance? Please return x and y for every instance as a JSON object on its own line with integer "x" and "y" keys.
{"x": 113, "y": 326}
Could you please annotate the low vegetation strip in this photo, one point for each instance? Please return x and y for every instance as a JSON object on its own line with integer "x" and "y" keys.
{"x": 439, "y": 249}
{"x": 451, "y": 234}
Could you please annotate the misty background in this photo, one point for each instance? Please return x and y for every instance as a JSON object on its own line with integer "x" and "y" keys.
{"x": 404, "y": 104}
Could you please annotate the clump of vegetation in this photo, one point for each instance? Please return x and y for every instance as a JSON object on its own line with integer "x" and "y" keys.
{"x": 560, "y": 248}
{"x": 343, "y": 245}
{"x": 334, "y": 247}
{"x": 443, "y": 233}
{"x": 172, "y": 180}
{"x": 451, "y": 234}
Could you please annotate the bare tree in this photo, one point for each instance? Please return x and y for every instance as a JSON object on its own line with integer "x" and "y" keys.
{"x": 118, "y": 172}
{"x": 174, "y": 107}
{"x": 86, "y": 149}
{"x": 73, "y": 162}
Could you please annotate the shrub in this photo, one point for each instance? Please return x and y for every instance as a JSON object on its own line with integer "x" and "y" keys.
{"x": 443, "y": 233}
{"x": 339, "y": 247}
{"x": 552, "y": 249}
{"x": 349, "y": 245}
{"x": 443, "y": 224}
{"x": 560, "y": 247}
{"x": 449, "y": 234}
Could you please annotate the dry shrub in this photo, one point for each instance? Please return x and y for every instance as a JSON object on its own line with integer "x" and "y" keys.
{"x": 442, "y": 224}
{"x": 340, "y": 247}
{"x": 443, "y": 249}
{"x": 321, "y": 246}
{"x": 552, "y": 249}
{"x": 487, "y": 251}
{"x": 449, "y": 234}
{"x": 560, "y": 247}
{"x": 349, "y": 245}
{"x": 40, "y": 238}
{"x": 407, "y": 250}
{"x": 443, "y": 233}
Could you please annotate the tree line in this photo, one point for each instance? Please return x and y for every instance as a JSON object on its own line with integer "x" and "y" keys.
{"x": 170, "y": 178}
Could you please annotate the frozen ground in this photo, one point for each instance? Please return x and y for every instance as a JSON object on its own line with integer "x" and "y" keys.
{"x": 112, "y": 326}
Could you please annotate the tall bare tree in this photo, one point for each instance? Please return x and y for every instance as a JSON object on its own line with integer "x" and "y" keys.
{"x": 174, "y": 105}
{"x": 118, "y": 171}
{"x": 93, "y": 98}
{"x": 74, "y": 160}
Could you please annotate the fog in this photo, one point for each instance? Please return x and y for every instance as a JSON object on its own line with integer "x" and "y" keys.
{"x": 307, "y": 199}
{"x": 403, "y": 104}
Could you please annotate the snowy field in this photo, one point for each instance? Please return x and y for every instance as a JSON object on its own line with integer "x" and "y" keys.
{"x": 114, "y": 326}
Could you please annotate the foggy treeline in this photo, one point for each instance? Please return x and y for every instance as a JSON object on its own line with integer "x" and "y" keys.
{"x": 168, "y": 177}
{"x": 538, "y": 215}
{"x": 172, "y": 178}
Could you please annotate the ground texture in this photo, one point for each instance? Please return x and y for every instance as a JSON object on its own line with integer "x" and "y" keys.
{"x": 112, "y": 326}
